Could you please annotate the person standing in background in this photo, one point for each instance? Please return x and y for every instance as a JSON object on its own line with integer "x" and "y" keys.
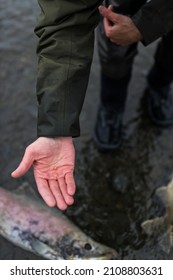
{"x": 124, "y": 24}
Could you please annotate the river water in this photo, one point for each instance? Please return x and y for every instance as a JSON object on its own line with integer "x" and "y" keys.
{"x": 115, "y": 192}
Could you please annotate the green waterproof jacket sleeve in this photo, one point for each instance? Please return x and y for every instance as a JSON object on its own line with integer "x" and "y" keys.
{"x": 154, "y": 19}
{"x": 66, "y": 34}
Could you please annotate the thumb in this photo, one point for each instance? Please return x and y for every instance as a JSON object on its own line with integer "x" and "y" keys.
{"x": 107, "y": 13}
{"x": 25, "y": 164}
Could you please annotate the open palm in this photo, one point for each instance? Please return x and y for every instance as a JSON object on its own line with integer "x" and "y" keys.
{"x": 53, "y": 163}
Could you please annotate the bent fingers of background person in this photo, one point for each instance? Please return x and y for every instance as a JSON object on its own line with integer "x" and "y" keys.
{"x": 120, "y": 29}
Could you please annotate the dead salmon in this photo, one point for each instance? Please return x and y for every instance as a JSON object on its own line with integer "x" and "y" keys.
{"x": 30, "y": 224}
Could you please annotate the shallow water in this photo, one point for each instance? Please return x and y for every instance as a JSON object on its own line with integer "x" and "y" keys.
{"x": 115, "y": 192}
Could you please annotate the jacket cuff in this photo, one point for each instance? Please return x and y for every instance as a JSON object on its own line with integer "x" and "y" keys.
{"x": 150, "y": 26}
{"x": 154, "y": 19}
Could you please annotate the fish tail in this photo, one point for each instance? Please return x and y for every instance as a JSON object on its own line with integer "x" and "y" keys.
{"x": 165, "y": 241}
{"x": 154, "y": 225}
{"x": 157, "y": 227}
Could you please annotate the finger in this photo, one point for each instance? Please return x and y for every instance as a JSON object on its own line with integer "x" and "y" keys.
{"x": 45, "y": 192}
{"x": 114, "y": 42}
{"x": 60, "y": 202}
{"x": 111, "y": 16}
{"x": 25, "y": 164}
{"x": 70, "y": 182}
{"x": 108, "y": 23}
{"x": 110, "y": 7}
{"x": 107, "y": 26}
{"x": 63, "y": 187}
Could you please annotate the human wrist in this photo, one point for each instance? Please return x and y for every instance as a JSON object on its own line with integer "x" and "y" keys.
{"x": 68, "y": 139}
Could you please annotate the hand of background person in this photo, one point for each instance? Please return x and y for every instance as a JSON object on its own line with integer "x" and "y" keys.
{"x": 53, "y": 161}
{"x": 119, "y": 29}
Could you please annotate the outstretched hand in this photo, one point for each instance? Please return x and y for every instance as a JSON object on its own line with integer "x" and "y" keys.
{"x": 119, "y": 29}
{"x": 53, "y": 161}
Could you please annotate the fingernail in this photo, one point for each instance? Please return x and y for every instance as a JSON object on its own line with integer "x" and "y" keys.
{"x": 70, "y": 200}
{"x": 51, "y": 204}
{"x": 12, "y": 174}
{"x": 101, "y": 9}
{"x": 50, "y": 201}
{"x": 71, "y": 191}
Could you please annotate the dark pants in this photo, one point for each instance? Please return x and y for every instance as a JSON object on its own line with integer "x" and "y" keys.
{"x": 116, "y": 61}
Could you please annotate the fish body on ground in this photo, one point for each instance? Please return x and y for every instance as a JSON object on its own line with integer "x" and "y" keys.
{"x": 30, "y": 224}
{"x": 162, "y": 226}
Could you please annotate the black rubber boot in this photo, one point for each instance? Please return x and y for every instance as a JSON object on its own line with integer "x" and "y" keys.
{"x": 159, "y": 96}
{"x": 160, "y": 105}
{"x": 108, "y": 128}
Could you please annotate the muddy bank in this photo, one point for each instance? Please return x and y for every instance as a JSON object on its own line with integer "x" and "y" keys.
{"x": 115, "y": 192}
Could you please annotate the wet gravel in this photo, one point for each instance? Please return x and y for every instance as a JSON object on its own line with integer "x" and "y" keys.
{"x": 115, "y": 192}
